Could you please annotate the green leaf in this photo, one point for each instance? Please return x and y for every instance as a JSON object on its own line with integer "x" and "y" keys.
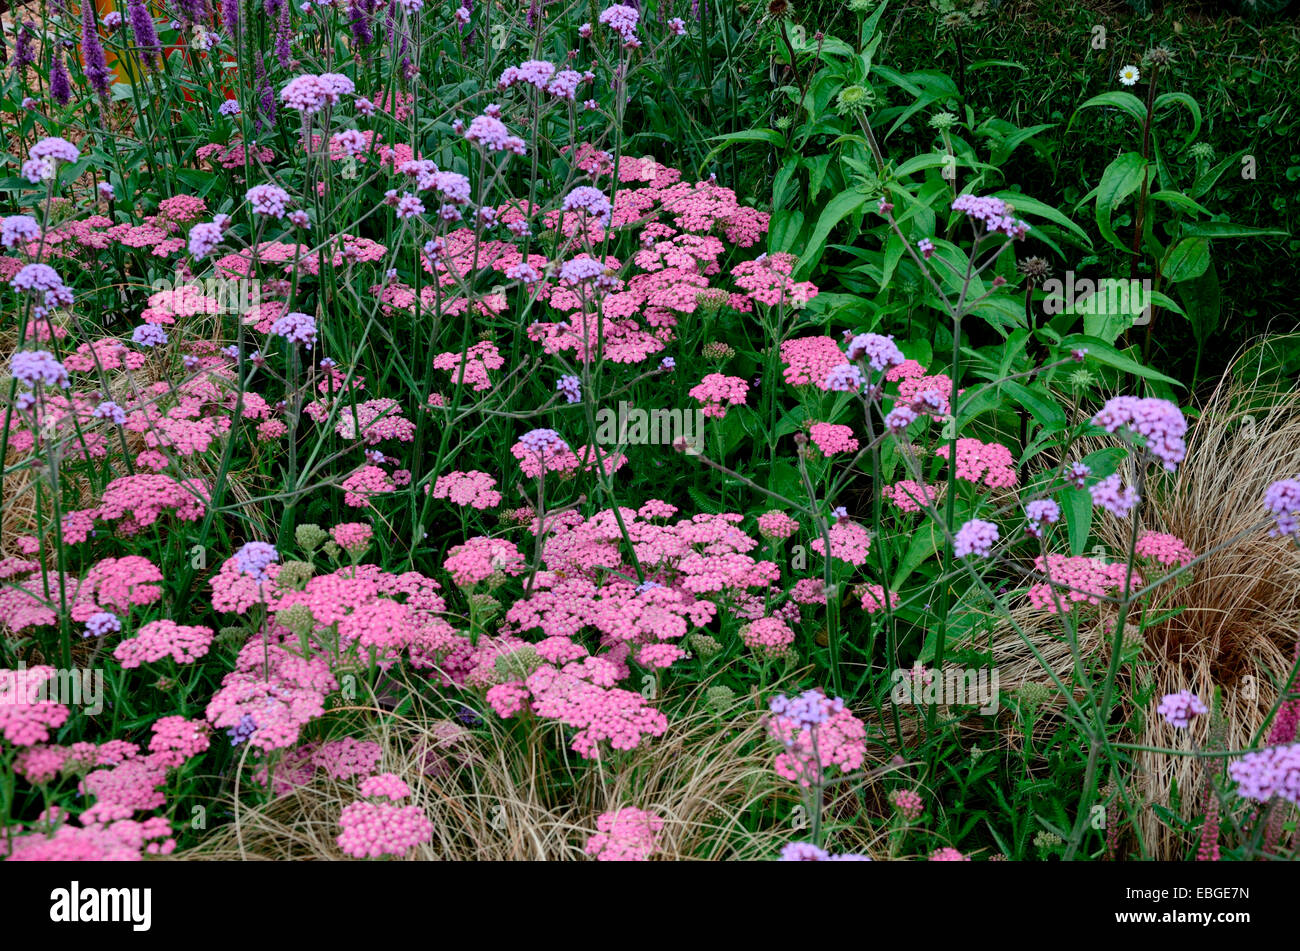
{"x": 749, "y": 135}
{"x": 1201, "y": 297}
{"x": 1122, "y": 178}
{"x": 1181, "y": 202}
{"x": 1124, "y": 101}
{"x": 1008, "y": 144}
{"x": 1184, "y": 100}
{"x": 1187, "y": 259}
{"x": 1031, "y": 207}
{"x": 784, "y": 230}
{"x": 1226, "y": 229}
{"x": 1103, "y": 352}
{"x": 1212, "y": 175}
{"x": 1078, "y": 518}
{"x": 838, "y": 208}
{"x": 1040, "y": 404}
{"x": 926, "y": 541}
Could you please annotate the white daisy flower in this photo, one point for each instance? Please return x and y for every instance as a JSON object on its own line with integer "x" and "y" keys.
{"x": 1129, "y": 75}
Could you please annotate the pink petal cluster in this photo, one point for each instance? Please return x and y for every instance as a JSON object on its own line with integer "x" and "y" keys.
{"x": 849, "y": 542}
{"x": 372, "y": 830}
{"x": 989, "y": 463}
{"x": 719, "y": 392}
{"x": 831, "y": 438}
{"x": 626, "y": 835}
{"x": 474, "y": 488}
{"x": 1076, "y": 579}
{"x": 1164, "y": 548}
{"x": 183, "y": 643}
{"x": 820, "y": 736}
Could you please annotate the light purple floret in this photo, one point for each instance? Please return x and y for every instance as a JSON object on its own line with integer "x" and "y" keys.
{"x": 976, "y": 537}
{"x": 254, "y": 558}
{"x": 31, "y": 367}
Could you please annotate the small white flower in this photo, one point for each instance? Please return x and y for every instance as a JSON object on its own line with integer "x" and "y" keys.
{"x": 1129, "y": 75}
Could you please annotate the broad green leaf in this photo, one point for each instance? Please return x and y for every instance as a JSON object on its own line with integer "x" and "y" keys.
{"x": 1077, "y": 509}
{"x": 926, "y": 540}
{"x": 1103, "y": 352}
{"x": 838, "y": 208}
{"x": 1201, "y": 297}
{"x": 1187, "y": 259}
{"x": 1040, "y": 404}
{"x": 1226, "y": 229}
{"x": 1026, "y": 207}
{"x": 1180, "y": 201}
{"x": 1124, "y": 101}
{"x": 1184, "y": 100}
{"x": 1008, "y": 144}
{"x": 1122, "y": 178}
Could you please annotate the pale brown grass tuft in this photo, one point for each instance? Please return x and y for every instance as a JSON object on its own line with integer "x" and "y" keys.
{"x": 491, "y": 796}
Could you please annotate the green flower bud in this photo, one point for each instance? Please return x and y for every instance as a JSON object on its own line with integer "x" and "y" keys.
{"x": 705, "y": 645}
{"x": 309, "y": 537}
{"x": 855, "y": 100}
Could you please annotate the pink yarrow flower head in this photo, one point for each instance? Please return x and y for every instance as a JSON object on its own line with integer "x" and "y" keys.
{"x": 775, "y": 524}
{"x": 372, "y": 830}
{"x": 385, "y": 786}
{"x": 1159, "y": 421}
{"x": 989, "y": 463}
{"x": 850, "y": 542}
{"x": 768, "y": 635}
{"x": 352, "y": 537}
{"x": 626, "y": 835}
{"x": 831, "y": 438}
{"x": 820, "y": 736}
{"x": 475, "y": 489}
{"x": 948, "y": 855}
{"x": 182, "y": 643}
{"x": 26, "y": 716}
{"x": 908, "y": 803}
{"x": 719, "y": 392}
{"x": 1164, "y": 548}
